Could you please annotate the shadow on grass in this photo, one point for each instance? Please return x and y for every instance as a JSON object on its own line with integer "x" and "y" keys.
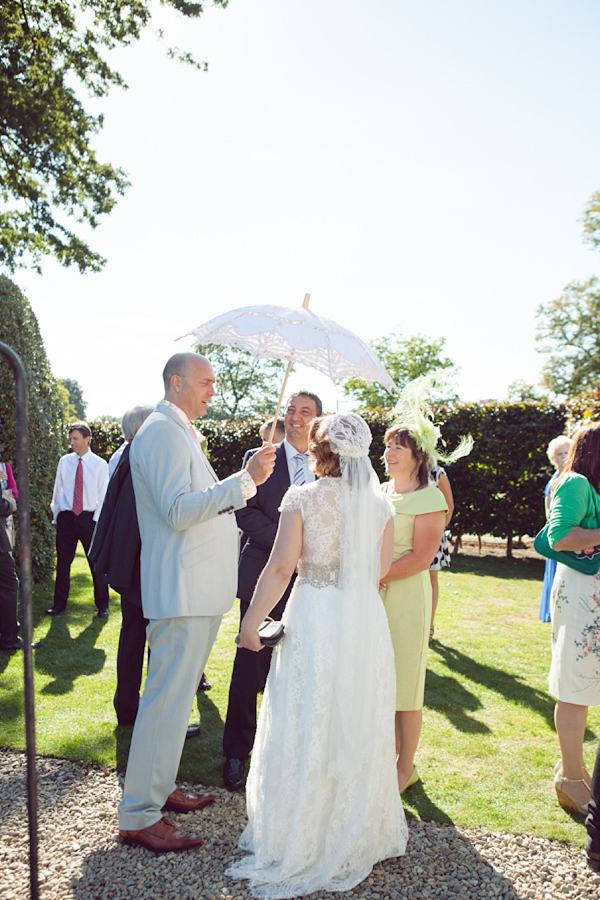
{"x": 201, "y": 758}
{"x": 12, "y": 704}
{"x": 511, "y": 687}
{"x": 448, "y": 696}
{"x": 4, "y": 660}
{"x": 66, "y": 658}
{"x": 417, "y": 799}
{"x": 527, "y": 569}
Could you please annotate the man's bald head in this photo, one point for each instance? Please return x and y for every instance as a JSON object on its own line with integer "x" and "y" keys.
{"x": 189, "y": 383}
{"x": 179, "y": 364}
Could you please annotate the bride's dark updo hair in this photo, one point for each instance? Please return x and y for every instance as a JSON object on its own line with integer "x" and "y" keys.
{"x": 326, "y": 462}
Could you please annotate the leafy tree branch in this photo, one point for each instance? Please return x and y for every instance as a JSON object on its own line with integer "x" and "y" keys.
{"x": 53, "y": 53}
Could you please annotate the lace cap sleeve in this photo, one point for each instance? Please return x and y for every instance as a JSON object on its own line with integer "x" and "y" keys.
{"x": 388, "y": 508}
{"x": 292, "y": 499}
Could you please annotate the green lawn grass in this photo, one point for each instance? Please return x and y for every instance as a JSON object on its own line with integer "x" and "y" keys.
{"x": 488, "y": 745}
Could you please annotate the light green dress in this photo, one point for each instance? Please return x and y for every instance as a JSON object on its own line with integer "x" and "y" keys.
{"x": 407, "y": 601}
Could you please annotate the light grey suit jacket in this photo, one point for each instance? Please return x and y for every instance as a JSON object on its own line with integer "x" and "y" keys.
{"x": 188, "y": 530}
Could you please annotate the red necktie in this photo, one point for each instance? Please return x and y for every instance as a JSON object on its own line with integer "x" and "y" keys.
{"x": 78, "y": 492}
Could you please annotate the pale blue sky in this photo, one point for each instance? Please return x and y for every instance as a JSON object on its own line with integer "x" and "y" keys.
{"x": 420, "y": 165}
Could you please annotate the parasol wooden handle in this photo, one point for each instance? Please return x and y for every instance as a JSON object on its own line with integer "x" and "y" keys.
{"x": 305, "y": 303}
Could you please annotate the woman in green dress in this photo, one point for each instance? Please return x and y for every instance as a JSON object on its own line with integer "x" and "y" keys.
{"x": 574, "y": 678}
{"x": 406, "y": 589}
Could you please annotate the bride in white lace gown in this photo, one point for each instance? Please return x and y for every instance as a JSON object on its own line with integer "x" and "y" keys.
{"x": 322, "y": 791}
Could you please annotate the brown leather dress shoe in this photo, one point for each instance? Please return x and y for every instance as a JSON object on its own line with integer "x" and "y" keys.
{"x": 183, "y": 803}
{"x": 161, "y": 837}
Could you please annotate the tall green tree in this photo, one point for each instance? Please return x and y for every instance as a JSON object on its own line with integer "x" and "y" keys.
{"x": 53, "y": 55}
{"x": 591, "y": 221}
{"x": 246, "y": 387}
{"x": 75, "y": 392}
{"x": 19, "y": 329}
{"x": 404, "y": 359}
{"x": 520, "y": 391}
{"x": 569, "y": 331}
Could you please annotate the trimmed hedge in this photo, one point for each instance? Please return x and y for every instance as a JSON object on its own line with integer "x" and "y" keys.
{"x": 106, "y": 437}
{"x": 19, "y": 329}
{"x": 498, "y": 489}
{"x": 583, "y": 409}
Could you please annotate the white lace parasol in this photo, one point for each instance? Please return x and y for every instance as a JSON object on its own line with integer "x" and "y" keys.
{"x": 296, "y": 334}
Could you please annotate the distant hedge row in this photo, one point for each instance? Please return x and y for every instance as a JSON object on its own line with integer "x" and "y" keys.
{"x": 498, "y": 489}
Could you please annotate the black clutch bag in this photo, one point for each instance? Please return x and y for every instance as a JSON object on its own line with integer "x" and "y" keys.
{"x": 270, "y": 633}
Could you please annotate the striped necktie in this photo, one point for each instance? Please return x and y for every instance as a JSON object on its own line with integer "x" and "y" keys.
{"x": 299, "y": 476}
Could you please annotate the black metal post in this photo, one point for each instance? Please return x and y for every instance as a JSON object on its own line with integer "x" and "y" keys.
{"x": 26, "y": 606}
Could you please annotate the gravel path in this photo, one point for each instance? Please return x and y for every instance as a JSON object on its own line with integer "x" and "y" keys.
{"x": 80, "y": 856}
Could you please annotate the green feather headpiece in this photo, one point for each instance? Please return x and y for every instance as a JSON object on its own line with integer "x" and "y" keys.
{"x": 413, "y": 411}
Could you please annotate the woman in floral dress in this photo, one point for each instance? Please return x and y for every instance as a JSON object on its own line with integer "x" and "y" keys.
{"x": 575, "y": 670}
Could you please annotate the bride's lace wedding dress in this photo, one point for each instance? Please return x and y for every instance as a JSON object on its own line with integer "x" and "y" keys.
{"x": 322, "y": 792}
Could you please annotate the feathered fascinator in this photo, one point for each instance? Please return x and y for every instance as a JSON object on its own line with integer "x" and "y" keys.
{"x": 413, "y": 411}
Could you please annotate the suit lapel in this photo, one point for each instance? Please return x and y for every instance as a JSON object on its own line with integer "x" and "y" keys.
{"x": 281, "y": 469}
{"x": 162, "y": 407}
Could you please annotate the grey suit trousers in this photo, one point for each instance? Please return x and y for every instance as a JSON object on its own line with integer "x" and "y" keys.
{"x": 180, "y": 650}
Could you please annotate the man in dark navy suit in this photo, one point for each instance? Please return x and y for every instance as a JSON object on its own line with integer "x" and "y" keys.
{"x": 115, "y": 554}
{"x": 259, "y": 521}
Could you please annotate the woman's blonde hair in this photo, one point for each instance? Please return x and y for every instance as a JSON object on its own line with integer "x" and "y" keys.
{"x": 555, "y": 443}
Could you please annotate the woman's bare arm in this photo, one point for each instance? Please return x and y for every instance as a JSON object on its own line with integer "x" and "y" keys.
{"x": 446, "y": 489}
{"x": 579, "y": 539}
{"x": 387, "y": 549}
{"x": 274, "y": 578}
{"x": 429, "y": 528}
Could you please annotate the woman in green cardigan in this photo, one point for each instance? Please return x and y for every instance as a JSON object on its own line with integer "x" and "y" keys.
{"x": 575, "y": 670}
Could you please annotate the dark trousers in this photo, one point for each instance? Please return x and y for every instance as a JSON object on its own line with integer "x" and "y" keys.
{"x": 130, "y": 657}
{"x": 9, "y": 590}
{"x": 70, "y": 529}
{"x": 592, "y": 822}
{"x": 249, "y": 674}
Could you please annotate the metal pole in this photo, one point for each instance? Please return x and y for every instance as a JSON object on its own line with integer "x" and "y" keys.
{"x": 26, "y": 606}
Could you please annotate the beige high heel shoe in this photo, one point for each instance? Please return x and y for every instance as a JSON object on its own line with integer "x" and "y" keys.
{"x": 412, "y": 779}
{"x": 586, "y": 775}
{"x": 565, "y": 800}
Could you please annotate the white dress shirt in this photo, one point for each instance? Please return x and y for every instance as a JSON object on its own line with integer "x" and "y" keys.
{"x": 290, "y": 453}
{"x": 95, "y": 481}
{"x": 113, "y": 461}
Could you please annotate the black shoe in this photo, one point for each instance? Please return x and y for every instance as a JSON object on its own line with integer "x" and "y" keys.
{"x": 205, "y": 684}
{"x": 234, "y": 773}
{"x": 17, "y": 644}
{"x": 54, "y": 612}
{"x": 593, "y": 854}
{"x": 193, "y": 731}
{"x": 102, "y": 613}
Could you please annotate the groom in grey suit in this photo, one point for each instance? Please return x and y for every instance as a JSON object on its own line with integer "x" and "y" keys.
{"x": 189, "y": 579}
